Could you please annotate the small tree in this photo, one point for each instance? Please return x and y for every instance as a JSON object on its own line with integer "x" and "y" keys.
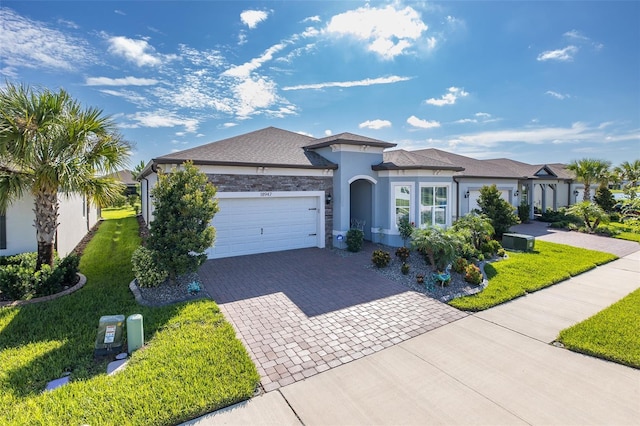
{"x": 406, "y": 229}
{"x": 440, "y": 247}
{"x": 499, "y": 211}
{"x": 591, "y": 214}
{"x": 604, "y": 198}
{"x": 181, "y": 230}
{"x": 475, "y": 227}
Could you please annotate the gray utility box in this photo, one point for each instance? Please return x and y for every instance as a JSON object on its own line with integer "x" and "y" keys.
{"x": 518, "y": 242}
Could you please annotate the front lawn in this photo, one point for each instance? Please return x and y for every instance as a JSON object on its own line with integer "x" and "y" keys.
{"x": 610, "y": 334}
{"x": 524, "y": 273}
{"x": 117, "y": 212}
{"x": 626, "y": 231}
{"x": 192, "y": 363}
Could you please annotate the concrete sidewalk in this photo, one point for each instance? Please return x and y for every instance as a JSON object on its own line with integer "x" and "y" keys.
{"x": 494, "y": 367}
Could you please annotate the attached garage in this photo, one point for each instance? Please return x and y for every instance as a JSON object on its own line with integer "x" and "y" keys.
{"x": 261, "y": 222}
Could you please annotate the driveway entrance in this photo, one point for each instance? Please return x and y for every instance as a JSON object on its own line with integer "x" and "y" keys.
{"x": 301, "y": 312}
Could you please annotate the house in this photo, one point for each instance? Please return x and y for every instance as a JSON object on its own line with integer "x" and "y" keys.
{"x": 280, "y": 190}
{"x": 126, "y": 177}
{"x": 18, "y": 234}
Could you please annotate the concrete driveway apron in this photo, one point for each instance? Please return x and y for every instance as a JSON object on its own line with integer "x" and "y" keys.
{"x": 302, "y": 312}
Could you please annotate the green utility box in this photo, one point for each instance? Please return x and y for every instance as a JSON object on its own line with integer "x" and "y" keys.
{"x": 518, "y": 242}
{"x": 109, "y": 340}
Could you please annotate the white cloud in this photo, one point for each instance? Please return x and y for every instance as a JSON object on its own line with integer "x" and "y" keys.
{"x": 315, "y": 18}
{"x": 251, "y": 18}
{"x": 375, "y": 124}
{"x": 483, "y": 114}
{"x": 124, "y": 81}
{"x": 576, "y": 133}
{"x": 140, "y": 52}
{"x": 252, "y": 95}
{"x": 245, "y": 70}
{"x": 119, "y": 12}
{"x": 68, "y": 24}
{"x": 557, "y": 95}
{"x": 31, "y": 44}
{"x": 576, "y": 35}
{"x": 365, "y": 82}
{"x": 128, "y": 95}
{"x": 388, "y": 31}
{"x": 161, "y": 118}
{"x": 422, "y": 124}
{"x": 562, "y": 55}
{"x": 466, "y": 120}
{"x": 450, "y": 98}
{"x": 328, "y": 132}
{"x": 229, "y": 125}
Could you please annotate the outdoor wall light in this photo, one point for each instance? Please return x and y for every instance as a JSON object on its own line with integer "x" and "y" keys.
{"x": 576, "y": 192}
{"x": 517, "y": 193}
{"x": 328, "y": 199}
{"x": 466, "y": 194}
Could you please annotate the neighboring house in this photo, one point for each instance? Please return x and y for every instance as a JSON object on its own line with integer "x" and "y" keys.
{"x": 280, "y": 190}
{"x": 18, "y": 234}
{"x": 126, "y": 177}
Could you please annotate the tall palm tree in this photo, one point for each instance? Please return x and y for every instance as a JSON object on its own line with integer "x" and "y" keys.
{"x": 629, "y": 171}
{"x": 49, "y": 147}
{"x": 589, "y": 171}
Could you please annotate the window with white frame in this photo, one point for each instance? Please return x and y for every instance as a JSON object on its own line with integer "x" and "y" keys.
{"x": 401, "y": 203}
{"x": 434, "y": 205}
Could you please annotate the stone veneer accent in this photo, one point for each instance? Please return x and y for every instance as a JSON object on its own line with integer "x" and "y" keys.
{"x": 263, "y": 183}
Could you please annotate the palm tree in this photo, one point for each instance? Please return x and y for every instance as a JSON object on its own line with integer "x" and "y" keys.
{"x": 629, "y": 171}
{"x": 589, "y": 171}
{"x": 51, "y": 146}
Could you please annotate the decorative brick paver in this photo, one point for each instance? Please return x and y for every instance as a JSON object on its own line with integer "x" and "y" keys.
{"x": 302, "y": 312}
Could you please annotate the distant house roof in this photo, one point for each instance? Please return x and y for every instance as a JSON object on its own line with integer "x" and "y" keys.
{"x": 348, "y": 139}
{"x": 470, "y": 167}
{"x": 270, "y": 147}
{"x": 124, "y": 176}
{"x": 401, "y": 159}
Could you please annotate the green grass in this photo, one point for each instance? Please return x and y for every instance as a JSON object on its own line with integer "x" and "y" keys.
{"x": 627, "y": 232}
{"x": 117, "y": 212}
{"x": 524, "y": 273}
{"x": 191, "y": 364}
{"x": 610, "y": 334}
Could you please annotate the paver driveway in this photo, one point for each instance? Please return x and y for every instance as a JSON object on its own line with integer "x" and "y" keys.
{"x": 301, "y": 312}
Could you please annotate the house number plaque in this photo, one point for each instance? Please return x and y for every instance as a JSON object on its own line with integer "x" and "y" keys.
{"x": 265, "y": 194}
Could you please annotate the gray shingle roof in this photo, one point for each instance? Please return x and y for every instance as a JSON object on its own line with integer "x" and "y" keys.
{"x": 348, "y": 139}
{"x": 270, "y": 147}
{"x": 401, "y": 159}
{"x": 124, "y": 176}
{"x": 471, "y": 166}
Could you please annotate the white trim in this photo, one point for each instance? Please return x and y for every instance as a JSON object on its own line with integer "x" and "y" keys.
{"x": 340, "y": 147}
{"x": 406, "y": 173}
{"x": 392, "y": 200}
{"x": 365, "y": 177}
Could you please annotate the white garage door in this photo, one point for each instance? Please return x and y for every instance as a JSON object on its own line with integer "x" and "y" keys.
{"x": 265, "y": 224}
{"x": 474, "y": 195}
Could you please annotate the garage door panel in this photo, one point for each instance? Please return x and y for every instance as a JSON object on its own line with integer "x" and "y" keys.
{"x": 259, "y": 225}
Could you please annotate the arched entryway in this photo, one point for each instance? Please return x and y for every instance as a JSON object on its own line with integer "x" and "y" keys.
{"x": 361, "y": 205}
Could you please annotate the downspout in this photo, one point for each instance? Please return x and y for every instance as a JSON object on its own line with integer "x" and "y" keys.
{"x": 457, "y": 198}
{"x": 147, "y": 197}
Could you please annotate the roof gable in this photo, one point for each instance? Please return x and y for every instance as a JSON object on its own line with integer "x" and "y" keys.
{"x": 348, "y": 139}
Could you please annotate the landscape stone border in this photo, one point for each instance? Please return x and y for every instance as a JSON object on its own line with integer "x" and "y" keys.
{"x": 78, "y": 286}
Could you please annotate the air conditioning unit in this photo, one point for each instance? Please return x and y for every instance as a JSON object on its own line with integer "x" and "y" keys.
{"x": 518, "y": 242}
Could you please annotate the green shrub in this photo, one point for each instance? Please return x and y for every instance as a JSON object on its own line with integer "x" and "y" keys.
{"x": 523, "y": 212}
{"x": 472, "y": 274}
{"x": 604, "y": 198}
{"x": 403, "y": 254}
{"x": 614, "y": 217}
{"x": 490, "y": 247}
{"x": 460, "y": 264}
{"x": 439, "y": 247}
{"x": 606, "y": 231}
{"x": 502, "y": 252}
{"x": 70, "y": 266}
{"x": 16, "y": 281}
{"x": 146, "y": 269}
{"x": 405, "y": 228}
{"x": 355, "y": 237}
{"x": 381, "y": 258}
{"x": 499, "y": 211}
{"x": 468, "y": 251}
{"x": 404, "y": 268}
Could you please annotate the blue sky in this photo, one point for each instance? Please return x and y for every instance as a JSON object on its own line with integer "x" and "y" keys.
{"x": 539, "y": 82}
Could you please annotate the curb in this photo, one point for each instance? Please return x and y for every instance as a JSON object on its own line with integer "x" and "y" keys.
{"x": 81, "y": 283}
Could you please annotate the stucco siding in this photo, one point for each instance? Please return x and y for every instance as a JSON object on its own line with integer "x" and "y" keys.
{"x": 21, "y": 235}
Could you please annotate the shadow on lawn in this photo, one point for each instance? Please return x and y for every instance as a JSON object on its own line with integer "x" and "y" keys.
{"x": 62, "y": 333}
